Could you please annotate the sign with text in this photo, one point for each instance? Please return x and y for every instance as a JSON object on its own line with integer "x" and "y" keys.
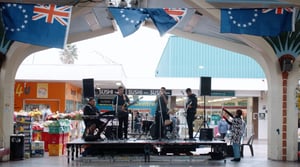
{"x": 133, "y": 92}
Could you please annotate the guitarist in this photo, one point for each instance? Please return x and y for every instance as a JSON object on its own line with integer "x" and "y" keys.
{"x": 120, "y": 104}
{"x": 191, "y": 107}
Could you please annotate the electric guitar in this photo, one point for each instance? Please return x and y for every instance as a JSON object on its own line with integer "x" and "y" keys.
{"x": 186, "y": 108}
{"x": 124, "y": 107}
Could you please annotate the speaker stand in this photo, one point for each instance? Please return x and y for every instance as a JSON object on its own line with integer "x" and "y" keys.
{"x": 204, "y": 123}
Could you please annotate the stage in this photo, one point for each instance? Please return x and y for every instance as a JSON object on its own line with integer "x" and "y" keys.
{"x": 143, "y": 147}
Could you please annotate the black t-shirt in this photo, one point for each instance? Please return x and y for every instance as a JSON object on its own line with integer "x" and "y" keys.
{"x": 90, "y": 110}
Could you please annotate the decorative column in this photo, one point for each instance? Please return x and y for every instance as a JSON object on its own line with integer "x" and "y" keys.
{"x": 286, "y": 65}
{"x": 284, "y": 114}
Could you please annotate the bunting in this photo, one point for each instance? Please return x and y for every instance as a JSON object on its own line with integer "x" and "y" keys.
{"x": 129, "y": 20}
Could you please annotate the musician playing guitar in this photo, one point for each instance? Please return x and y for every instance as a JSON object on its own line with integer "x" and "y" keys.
{"x": 120, "y": 104}
{"x": 191, "y": 107}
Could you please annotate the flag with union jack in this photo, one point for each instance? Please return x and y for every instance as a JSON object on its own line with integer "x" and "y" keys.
{"x": 129, "y": 20}
{"x": 166, "y": 19}
{"x": 260, "y": 22}
{"x": 43, "y": 25}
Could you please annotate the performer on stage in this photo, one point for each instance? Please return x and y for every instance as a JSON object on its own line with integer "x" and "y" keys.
{"x": 161, "y": 113}
{"x": 120, "y": 103}
{"x": 91, "y": 110}
{"x": 191, "y": 107}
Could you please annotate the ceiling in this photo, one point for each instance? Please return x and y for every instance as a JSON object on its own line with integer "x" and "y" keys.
{"x": 90, "y": 18}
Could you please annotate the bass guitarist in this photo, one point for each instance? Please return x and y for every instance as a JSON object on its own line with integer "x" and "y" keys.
{"x": 120, "y": 103}
{"x": 191, "y": 107}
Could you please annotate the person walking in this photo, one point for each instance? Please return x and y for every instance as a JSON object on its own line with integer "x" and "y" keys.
{"x": 191, "y": 108}
{"x": 236, "y": 132}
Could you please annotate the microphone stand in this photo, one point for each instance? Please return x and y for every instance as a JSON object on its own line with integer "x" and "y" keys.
{"x": 161, "y": 118}
{"x": 185, "y": 112}
{"x": 116, "y": 114}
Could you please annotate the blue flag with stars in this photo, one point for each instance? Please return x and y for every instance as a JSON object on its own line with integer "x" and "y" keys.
{"x": 129, "y": 20}
{"x": 260, "y": 22}
{"x": 43, "y": 25}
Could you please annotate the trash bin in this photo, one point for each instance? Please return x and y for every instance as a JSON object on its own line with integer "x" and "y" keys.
{"x": 17, "y": 147}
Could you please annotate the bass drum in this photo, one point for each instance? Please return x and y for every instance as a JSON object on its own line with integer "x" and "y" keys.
{"x": 153, "y": 132}
{"x": 111, "y": 132}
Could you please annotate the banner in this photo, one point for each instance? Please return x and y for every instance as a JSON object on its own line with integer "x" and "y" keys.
{"x": 43, "y": 25}
{"x": 260, "y": 22}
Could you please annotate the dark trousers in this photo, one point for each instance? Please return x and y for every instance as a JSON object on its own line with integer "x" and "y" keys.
{"x": 160, "y": 124}
{"x": 98, "y": 124}
{"x": 190, "y": 120}
{"x": 123, "y": 126}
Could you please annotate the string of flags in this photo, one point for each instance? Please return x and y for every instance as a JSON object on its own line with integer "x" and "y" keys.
{"x": 48, "y": 25}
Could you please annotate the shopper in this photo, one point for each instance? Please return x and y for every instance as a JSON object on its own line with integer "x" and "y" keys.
{"x": 137, "y": 123}
{"x": 223, "y": 127}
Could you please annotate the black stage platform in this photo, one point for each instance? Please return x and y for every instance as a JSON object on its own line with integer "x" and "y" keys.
{"x": 143, "y": 147}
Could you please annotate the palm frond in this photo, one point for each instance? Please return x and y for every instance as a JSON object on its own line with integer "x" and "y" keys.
{"x": 287, "y": 42}
{"x": 5, "y": 44}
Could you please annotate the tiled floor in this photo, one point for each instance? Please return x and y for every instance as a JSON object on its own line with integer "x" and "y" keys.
{"x": 258, "y": 160}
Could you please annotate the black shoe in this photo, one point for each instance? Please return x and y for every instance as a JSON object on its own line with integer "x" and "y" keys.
{"x": 192, "y": 139}
{"x": 236, "y": 159}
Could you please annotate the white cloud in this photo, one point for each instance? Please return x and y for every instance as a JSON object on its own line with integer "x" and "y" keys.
{"x": 139, "y": 53}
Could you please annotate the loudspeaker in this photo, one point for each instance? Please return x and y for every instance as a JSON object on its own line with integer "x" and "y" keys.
{"x": 206, "y": 134}
{"x": 88, "y": 88}
{"x": 205, "y": 86}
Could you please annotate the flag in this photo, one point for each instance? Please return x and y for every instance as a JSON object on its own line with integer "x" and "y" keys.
{"x": 166, "y": 19}
{"x": 43, "y": 25}
{"x": 129, "y": 20}
{"x": 260, "y": 22}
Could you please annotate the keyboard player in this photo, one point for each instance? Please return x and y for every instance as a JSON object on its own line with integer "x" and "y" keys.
{"x": 92, "y": 116}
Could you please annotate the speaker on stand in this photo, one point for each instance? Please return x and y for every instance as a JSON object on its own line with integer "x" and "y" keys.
{"x": 205, "y": 86}
{"x": 205, "y": 90}
{"x": 88, "y": 88}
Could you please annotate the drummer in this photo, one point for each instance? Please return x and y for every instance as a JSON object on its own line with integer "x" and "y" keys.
{"x": 174, "y": 121}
